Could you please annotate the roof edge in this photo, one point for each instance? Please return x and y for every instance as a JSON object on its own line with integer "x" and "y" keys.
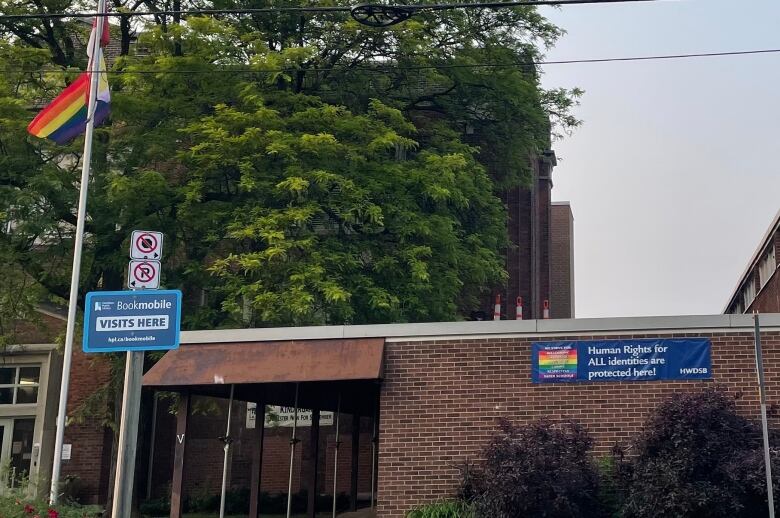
{"x": 770, "y": 231}
{"x": 685, "y": 323}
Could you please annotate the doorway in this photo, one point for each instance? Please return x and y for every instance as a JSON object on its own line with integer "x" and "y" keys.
{"x": 16, "y": 449}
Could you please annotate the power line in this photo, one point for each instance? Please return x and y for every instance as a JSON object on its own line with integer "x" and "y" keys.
{"x": 314, "y": 9}
{"x": 389, "y": 68}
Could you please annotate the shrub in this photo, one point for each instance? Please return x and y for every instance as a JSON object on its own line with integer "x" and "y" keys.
{"x": 696, "y": 457}
{"x": 17, "y": 506}
{"x": 156, "y": 507}
{"x": 541, "y": 470}
{"x": 443, "y": 509}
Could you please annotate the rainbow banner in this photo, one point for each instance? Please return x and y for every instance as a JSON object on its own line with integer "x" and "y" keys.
{"x": 66, "y": 116}
{"x": 558, "y": 363}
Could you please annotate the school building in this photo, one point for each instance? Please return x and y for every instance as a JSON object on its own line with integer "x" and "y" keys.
{"x": 411, "y": 402}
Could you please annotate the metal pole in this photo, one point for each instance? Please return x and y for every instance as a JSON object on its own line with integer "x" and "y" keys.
{"x": 336, "y": 455}
{"x": 374, "y": 440}
{"x": 764, "y": 425}
{"x": 225, "y": 460}
{"x": 75, "y": 274}
{"x": 151, "y": 448}
{"x": 293, "y": 440}
{"x": 128, "y": 435}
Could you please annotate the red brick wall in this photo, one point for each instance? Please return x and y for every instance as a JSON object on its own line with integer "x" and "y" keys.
{"x": 43, "y": 330}
{"x": 90, "y": 440}
{"x": 768, "y": 299}
{"x": 561, "y": 266}
{"x": 458, "y": 389}
{"x": 529, "y": 233}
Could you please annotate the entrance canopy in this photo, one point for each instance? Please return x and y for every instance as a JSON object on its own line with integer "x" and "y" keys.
{"x": 264, "y": 371}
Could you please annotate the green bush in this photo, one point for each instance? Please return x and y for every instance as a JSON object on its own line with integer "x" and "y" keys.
{"x": 237, "y": 502}
{"x": 442, "y": 509}
{"x": 541, "y": 469}
{"x": 18, "y": 506}
{"x": 696, "y": 457}
{"x": 156, "y": 507}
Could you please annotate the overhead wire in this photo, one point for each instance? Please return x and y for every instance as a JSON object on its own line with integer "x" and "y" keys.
{"x": 389, "y": 68}
{"x": 315, "y": 9}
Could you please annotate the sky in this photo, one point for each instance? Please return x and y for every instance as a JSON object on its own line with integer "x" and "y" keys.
{"x": 673, "y": 177}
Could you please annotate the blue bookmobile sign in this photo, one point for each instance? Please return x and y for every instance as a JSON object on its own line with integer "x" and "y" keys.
{"x": 621, "y": 360}
{"x": 132, "y": 321}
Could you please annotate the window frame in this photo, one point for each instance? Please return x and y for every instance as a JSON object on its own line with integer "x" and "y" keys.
{"x": 17, "y": 384}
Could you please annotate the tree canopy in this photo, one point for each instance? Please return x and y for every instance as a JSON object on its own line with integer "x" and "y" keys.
{"x": 305, "y": 169}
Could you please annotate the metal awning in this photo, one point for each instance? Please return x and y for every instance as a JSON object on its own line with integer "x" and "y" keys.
{"x": 268, "y": 362}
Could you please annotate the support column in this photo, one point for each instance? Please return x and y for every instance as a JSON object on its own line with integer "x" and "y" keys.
{"x": 314, "y": 456}
{"x": 182, "y": 416}
{"x": 375, "y": 453}
{"x": 258, "y": 438}
{"x": 353, "y": 482}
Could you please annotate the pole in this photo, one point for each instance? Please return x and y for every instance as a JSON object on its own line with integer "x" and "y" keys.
{"x": 374, "y": 441}
{"x": 128, "y": 435}
{"x": 293, "y": 440}
{"x": 150, "y": 470}
{"x": 764, "y": 425}
{"x": 225, "y": 460}
{"x": 75, "y": 274}
{"x": 336, "y": 455}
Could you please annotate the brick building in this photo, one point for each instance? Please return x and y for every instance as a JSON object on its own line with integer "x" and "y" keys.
{"x": 540, "y": 259}
{"x": 431, "y": 394}
{"x": 445, "y": 386}
{"x": 758, "y": 288}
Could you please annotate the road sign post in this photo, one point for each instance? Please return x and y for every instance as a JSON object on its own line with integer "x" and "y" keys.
{"x": 133, "y": 321}
{"x": 128, "y": 435}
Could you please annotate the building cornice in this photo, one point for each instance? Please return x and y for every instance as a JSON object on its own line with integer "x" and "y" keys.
{"x": 487, "y": 329}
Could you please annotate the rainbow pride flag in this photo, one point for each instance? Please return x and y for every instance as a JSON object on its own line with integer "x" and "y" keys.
{"x": 66, "y": 116}
{"x": 558, "y": 364}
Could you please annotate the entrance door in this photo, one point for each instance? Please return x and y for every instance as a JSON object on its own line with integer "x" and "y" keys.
{"x": 16, "y": 448}
{"x": 21, "y": 451}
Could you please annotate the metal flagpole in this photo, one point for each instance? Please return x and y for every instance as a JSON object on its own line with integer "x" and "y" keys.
{"x": 225, "y": 461}
{"x": 77, "y": 248}
{"x": 764, "y": 425}
{"x": 293, "y": 440}
{"x": 336, "y": 455}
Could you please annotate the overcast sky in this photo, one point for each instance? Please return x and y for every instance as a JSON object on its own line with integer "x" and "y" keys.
{"x": 673, "y": 177}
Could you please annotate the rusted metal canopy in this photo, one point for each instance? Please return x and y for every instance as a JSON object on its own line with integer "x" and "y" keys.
{"x": 269, "y": 362}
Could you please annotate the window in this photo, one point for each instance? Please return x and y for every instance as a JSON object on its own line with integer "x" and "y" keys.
{"x": 767, "y": 266}
{"x": 19, "y": 385}
{"x": 749, "y": 292}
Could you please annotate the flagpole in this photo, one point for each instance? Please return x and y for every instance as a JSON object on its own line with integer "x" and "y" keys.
{"x": 77, "y": 248}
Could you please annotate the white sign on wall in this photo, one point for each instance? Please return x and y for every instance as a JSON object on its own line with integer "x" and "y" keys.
{"x": 251, "y": 415}
{"x": 282, "y": 416}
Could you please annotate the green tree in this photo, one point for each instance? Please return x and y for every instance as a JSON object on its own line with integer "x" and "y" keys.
{"x": 326, "y": 225}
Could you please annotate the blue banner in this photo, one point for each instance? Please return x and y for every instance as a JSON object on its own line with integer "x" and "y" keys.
{"x": 132, "y": 321}
{"x": 648, "y": 359}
